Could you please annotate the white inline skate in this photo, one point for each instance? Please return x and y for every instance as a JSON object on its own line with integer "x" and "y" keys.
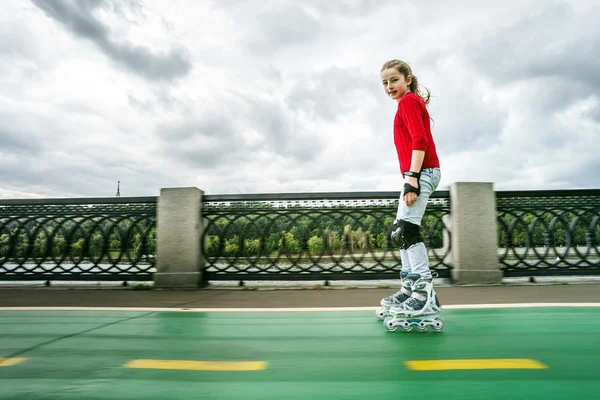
{"x": 422, "y": 309}
{"x": 395, "y": 299}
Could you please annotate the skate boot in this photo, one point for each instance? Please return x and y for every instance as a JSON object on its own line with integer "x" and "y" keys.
{"x": 422, "y": 309}
{"x": 395, "y": 299}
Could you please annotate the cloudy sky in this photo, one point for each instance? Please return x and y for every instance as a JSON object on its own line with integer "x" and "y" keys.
{"x": 264, "y": 96}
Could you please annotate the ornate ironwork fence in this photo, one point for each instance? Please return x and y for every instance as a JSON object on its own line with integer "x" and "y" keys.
{"x": 97, "y": 239}
{"x": 549, "y": 232}
{"x": 304, "y": 236}
{"x": 317, "y": 236}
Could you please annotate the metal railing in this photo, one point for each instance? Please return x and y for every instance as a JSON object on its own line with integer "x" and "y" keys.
{"x": 300, "y": 236}
{"x": 95, "y": 239}
{"x": 316, "y": 236}
{"x": 549, "y": 232}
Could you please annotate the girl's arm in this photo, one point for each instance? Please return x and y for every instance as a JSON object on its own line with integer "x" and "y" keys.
{"x": 415, "y": 166}
{"x": 411, "y": 113}
{"x": 416, "y": 161}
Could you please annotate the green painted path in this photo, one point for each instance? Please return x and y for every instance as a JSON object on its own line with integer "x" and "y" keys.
{"x": 297, "y": 355}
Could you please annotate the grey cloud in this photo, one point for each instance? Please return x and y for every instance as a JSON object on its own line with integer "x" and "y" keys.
{"x": 332, "y": 93}
{"x": 207, "y": 145}
{"x": 57, "y": 165}
{"x": 464, "y": 134}
{"x": 275, "y": 28}
{"x": 36, "y": 154}
{"x": 345, "y": 8}
{"x": 65, "y": 177}
{"x": 78, "y": 17}
{"x": 16, "y": 142}
{"x": 552, "y": 43}
{"x": 142, "y": 105}
{"x": 552, "y": 94}
{"x": 582, "y": 175}
{"x": 43, "y": 167}
{"x": 290, "y": 25}
{"x": 201, "y": 154}
{"x": 593, "y": 114}
{"x": 550, "y": 55}
{"x": 284, "y": 24}
{"x": 17, "y": 41}
{"x": 13, "y": 174}
{"x": 209, "y": 125}
{"x": 270, "y": 27}
{"x": 81, "y": 109}
{"x": 215, "y": 137}
{"x": 282, "y": 133}
{"x": 23, "y": 134}
{"x": 195, "y": 149}
{"x": 130, "y": 10}
{"x": 192, "y": 141}
{"x": 348, "y": 8}
{"x": 160, "y": 98}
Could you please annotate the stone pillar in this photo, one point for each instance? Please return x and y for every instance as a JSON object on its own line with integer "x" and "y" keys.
{"x": 474, "y": 233}
{"x": 179, "y": 260}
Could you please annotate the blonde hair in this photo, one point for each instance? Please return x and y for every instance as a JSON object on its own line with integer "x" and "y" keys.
{"x": 406, "y": 71}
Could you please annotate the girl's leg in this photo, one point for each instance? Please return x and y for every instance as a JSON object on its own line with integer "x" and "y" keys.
{"x": 406, "y": 266}
{"x": 416, "y": 253}
{"x": 412, "y": 249}
{"x": 405, "y": 291}
{"x": 423, "y": 300}
{"x": 404, "y": 257}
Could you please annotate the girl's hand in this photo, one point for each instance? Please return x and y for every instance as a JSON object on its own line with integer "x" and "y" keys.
{"x": 411, "y": 198}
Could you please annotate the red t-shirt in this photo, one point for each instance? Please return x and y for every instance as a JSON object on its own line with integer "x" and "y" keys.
{"x": 412, "y": 132}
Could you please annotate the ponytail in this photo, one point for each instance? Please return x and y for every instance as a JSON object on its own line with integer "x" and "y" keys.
{"x": 414, "y": 87}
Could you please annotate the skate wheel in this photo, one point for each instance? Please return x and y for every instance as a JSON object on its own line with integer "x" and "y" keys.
{"x": 381, "y": 313}
{"x": 422, "y": 328}
{"x": 389, "y": 325}
{"x": 406, "y": 326}
{"x": 438, "y": 325}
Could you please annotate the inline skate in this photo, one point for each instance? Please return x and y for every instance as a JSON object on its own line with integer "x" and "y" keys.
{"x": 395, "y": 299}
{"x": 422, "y": 309}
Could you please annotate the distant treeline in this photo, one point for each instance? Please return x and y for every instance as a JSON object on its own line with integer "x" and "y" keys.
{"x": 79, "y": 240}
{"x": 266, "y": 232}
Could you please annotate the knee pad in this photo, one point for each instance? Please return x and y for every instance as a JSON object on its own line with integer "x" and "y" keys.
{"x": 405, "y": 234}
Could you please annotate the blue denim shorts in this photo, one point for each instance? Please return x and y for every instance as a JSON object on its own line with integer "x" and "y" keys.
{"x": 429, "y": 181}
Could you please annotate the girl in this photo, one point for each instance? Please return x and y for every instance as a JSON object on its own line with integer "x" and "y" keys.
{"x": 420, "y": 167}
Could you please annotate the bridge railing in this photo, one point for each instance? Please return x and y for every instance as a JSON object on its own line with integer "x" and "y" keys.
{"x": 298, "y": 236}
{"x": 549, "y": 232}
{"x": 314, "y": 236}
{"x": 90, "y": 239}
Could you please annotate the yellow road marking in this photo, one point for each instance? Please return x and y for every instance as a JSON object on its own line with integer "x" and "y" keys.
{"x": 7, "y": 362}
{"x": 497, "y": 363}
{"x": 191, "y": 365}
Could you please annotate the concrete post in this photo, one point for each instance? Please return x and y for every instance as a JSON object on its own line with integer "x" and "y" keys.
{"x": 474, "y": 233}
{"x": 179, "y": 260}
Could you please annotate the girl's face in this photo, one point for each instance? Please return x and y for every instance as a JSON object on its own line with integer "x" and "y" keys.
{"x": 394, "y": 83}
